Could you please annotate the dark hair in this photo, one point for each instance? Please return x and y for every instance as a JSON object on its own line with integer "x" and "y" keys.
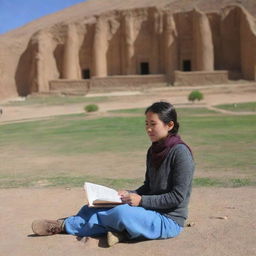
{"x": 166, "y": 113}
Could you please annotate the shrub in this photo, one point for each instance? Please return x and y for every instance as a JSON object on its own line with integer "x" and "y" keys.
{"x": 195, "y": 95}
{"x": 91, "y": 108}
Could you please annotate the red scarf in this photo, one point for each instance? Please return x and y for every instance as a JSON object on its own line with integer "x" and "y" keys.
{"x": 160, "y": 149}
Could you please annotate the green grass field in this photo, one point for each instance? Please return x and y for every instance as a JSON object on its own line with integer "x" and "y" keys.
{"x": 50, "y": 100}
{"x": 239, "y": 107}
{"x": 224, "y": 147}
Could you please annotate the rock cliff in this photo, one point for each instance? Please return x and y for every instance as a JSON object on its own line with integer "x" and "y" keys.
{"x": 110, "y": 38}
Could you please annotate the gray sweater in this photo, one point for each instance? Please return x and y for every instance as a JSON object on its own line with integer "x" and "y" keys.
{"x": 167, "y": 190}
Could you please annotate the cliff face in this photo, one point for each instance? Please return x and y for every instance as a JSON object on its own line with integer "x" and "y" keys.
{"x": 149, "y": 40}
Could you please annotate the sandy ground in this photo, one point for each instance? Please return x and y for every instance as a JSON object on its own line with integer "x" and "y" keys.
{"x": 224, "y": 218}
{"x": 225, "y": 223}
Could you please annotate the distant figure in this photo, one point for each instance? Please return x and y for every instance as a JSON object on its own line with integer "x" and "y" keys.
{"x": 1, "y": 111}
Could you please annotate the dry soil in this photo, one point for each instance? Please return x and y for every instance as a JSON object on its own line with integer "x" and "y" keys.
{"x": 223, "y": 219}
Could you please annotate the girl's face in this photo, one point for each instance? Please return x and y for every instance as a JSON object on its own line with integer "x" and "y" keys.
{"x": 155, "y": 128}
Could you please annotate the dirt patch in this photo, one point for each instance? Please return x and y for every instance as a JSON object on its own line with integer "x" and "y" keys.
{"x": 224, "y": 221}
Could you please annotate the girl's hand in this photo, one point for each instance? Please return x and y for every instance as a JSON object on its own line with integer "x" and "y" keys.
{"x": 123, "y": 193}
{"x": 132, "y": 199}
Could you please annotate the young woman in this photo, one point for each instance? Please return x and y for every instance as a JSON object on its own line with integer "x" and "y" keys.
{"x": 156, "y": 210}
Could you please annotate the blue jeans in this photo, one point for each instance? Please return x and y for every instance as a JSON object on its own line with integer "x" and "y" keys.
{"x": 136, "y": 221}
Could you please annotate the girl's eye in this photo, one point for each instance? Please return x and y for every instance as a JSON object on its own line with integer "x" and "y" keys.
{"x": 150, "y": 124}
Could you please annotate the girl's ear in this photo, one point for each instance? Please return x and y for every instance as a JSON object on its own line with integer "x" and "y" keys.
{"x": 170, "y": 126}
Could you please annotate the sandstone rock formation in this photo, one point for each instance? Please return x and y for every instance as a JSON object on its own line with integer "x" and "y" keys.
{"x": 135, "y": 41}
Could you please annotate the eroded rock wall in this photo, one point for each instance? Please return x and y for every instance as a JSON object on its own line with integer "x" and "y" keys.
{"x": 139, "y": 41}
{"x": 202, "y": 42}
{"x": 248, "y": 46}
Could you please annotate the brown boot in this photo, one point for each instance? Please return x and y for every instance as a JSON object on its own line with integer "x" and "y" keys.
{"x": 115, "y": 237}
{"x": 48, "y": 227}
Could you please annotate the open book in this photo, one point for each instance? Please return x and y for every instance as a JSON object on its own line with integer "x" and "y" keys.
{"x": 101, "y": 196}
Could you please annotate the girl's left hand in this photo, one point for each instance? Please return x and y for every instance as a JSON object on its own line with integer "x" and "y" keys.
{"x": 132, "y": 199}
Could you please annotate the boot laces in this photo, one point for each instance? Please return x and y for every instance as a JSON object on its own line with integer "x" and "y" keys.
{"x": 54, "y": 228}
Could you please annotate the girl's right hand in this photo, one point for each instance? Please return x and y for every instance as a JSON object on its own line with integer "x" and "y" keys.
{"x": 132, "y": 199}
{"x": 123, "y": 193}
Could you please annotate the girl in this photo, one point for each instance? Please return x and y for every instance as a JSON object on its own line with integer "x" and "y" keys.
{"x": 157, "y": 209}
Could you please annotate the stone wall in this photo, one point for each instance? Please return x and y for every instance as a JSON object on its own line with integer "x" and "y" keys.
{"x": 129, "y": 82}
{"x": 66, "y": 86}
{"x": 195, "y": 78}
{"x": 106, "y": 84}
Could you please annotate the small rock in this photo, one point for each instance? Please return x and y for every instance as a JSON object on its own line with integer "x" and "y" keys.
{"x": 219, "y": 217}
{"x": 190, "y": 224}
{"x": 223, "y": 217}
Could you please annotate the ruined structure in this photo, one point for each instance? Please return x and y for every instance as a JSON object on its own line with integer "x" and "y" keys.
{"x": 140, "y": 46}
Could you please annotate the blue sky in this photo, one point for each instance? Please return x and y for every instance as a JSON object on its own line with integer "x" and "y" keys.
{"x": 16, "y": 13}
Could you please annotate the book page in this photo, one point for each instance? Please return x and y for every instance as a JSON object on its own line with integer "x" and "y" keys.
{"x": 100, "y": 193}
